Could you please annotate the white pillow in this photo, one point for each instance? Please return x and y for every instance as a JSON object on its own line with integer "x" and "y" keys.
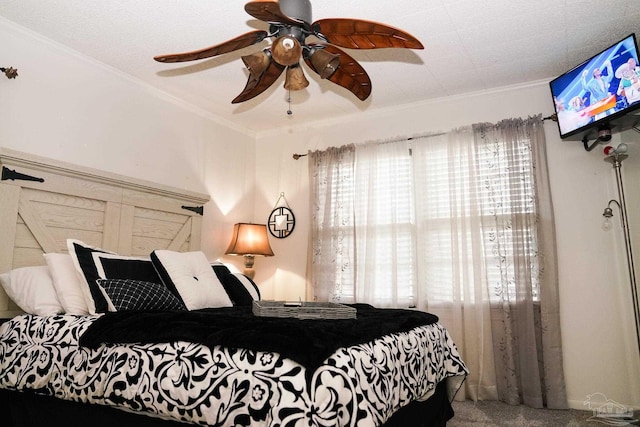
{"x": 190, "y": 276}
{"x": 32, "y": 289}
{"x": 67, "y": 283}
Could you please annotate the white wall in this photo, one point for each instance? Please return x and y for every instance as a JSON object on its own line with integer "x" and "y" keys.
{"x": 597, "y": 321}
{"x": 66, "y": 107}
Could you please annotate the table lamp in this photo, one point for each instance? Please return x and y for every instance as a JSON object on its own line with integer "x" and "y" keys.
{"x": 249, "y": 240}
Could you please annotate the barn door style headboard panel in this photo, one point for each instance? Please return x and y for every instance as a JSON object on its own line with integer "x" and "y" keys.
{"x": 45, "y": 202}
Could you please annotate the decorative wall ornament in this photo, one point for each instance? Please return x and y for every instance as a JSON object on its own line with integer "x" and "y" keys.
{"x": 281, "y": 221}
{"x": 10, "y": 72}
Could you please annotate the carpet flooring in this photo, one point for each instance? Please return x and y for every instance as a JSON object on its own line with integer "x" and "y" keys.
{"x": 494, "y": 414}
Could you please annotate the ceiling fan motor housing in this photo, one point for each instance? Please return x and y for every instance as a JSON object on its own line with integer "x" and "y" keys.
{"x": 298, "y": 9}
{"x": 282, "y": 30}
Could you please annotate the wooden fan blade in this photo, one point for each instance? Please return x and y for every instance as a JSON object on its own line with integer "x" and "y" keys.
{"x": 350, "y": 74}
{"x": 269, "y": 11}
{"x": 239, "y": 42}
{"x": 259, "y": 82}
{"x": 360, "y": 34}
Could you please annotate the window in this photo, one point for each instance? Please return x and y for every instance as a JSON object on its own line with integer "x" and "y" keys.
{"x": 436, "y": 219}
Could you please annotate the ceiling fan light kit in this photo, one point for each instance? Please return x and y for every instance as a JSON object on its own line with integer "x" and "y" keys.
{"x": 286, "y": 50}
{"x": 256, "y": 63}
{"x": 325, "y": 63}
{"x": 295, "y": 79}
{"x": 290, "y": 24}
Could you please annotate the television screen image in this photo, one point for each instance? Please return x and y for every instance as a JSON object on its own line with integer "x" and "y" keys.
{"x": 604, "y": 87}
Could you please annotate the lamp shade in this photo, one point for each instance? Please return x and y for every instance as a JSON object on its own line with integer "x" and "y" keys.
{"x": 249, "y": 239}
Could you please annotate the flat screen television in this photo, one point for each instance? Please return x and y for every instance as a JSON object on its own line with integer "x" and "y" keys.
{"x": 600, "y": 92}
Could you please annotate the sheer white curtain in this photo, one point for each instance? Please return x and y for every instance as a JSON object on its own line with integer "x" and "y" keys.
{"x": 362, "y": 236}
{"x": 521, "y": 255}
{"x": 460, "y": 225}
{"x": 384, "y": 235}
{"x": 452, "y": 275}
{"x": 331, "y": 178}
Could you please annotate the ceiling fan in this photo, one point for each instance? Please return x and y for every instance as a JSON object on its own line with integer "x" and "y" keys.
{"x": 290, "y": 25}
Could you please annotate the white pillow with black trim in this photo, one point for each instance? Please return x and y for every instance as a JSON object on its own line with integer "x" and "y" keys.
{"x": 31, "y": 288}
{"x": 220, "y": 269}
{"x": 128, "y": 294}
{"x": 241, "y": 289}
{"x": 82, "y": 256}
{"x": 190, "y": 276}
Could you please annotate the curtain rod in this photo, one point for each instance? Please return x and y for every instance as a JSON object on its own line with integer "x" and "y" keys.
{"x": 553, "y": 117}
{"x": 296, "y": 156}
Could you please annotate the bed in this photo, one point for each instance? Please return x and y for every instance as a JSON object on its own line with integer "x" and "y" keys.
{"x": 115, "y": 316}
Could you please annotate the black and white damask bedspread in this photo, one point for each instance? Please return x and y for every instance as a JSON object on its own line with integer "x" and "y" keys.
{"x": 360, "y": 385}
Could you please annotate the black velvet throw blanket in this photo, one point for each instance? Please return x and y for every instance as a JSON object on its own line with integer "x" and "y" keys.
{"x": 309, "y": 342}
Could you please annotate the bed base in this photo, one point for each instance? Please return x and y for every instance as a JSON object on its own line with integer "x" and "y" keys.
{"x": 33, "y": 410}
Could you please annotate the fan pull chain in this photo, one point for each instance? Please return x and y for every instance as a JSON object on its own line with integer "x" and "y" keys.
{"x": 289, "y": 112}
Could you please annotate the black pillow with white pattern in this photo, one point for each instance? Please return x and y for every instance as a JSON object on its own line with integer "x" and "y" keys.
{"x": 129, "y": 294}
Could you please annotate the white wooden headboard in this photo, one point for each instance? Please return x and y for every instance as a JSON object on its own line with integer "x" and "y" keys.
{"x": 44, "y": 202}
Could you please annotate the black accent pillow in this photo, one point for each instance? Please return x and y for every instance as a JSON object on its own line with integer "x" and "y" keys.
{"x": 241, "y": 289}
{"x": 122, "y": 267}
{"x": 127, "y": 294}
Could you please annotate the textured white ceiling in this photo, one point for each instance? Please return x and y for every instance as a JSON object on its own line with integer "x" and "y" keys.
{"x": 470, "y": 45}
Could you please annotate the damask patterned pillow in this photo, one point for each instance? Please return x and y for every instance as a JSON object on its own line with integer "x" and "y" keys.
{"x": 128, "y": 294}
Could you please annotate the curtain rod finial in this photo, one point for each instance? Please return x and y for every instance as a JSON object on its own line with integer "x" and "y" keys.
{"x": 10, "y": 72}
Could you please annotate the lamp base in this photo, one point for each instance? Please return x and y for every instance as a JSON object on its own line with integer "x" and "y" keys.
{"x": 249, "y": 272}
{"x": 248, "y": 266}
